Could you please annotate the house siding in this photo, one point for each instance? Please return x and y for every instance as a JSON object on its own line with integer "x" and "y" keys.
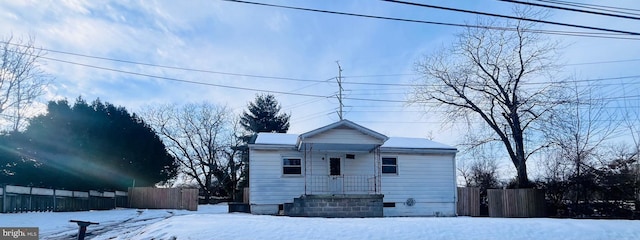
{"x": 343, "y": 136}
{"x": 267, "y": 184}
{"x": 429, "y": 179}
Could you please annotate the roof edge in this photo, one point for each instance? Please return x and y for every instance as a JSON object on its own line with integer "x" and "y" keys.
{"x": 418, "y": 150}
{"x": 343, "y": 122}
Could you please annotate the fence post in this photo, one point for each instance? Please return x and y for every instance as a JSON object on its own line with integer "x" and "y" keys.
{"x": 30, "y": 200}
{"x": 4, "y": 199}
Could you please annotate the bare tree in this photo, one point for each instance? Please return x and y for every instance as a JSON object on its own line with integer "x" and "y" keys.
{"x": 201, "y": 137}
{"x": 21, "y": 80}
{"x": 501, "y": 74}
{"x": 631, "y": 122}
{"x": 577, "y": 130}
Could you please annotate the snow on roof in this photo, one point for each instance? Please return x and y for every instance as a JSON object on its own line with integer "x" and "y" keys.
{"x": 277, "y": 138}
{"x": 418, "y": 143}
{"x": 393, "y": 142}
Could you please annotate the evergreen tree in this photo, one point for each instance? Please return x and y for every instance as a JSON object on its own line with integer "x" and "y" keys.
{"x": 264, "y": 115}
{"x": 92, "y": 146}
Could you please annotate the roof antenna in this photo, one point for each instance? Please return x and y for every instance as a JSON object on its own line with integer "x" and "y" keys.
{"x": 340, "y": 89}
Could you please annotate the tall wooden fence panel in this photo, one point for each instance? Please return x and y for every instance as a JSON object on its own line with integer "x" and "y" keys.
{"x": 245, "y": 195}
{"x": 516, "y": 203}
{"x": 468, "y": 201}
{"x": 163, "y": 198}
{"x": 15, "y": 199}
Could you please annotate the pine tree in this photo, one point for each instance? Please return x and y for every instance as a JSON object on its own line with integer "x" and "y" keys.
{"x": 92, "y": 147}
{"x": 264, "y": 115}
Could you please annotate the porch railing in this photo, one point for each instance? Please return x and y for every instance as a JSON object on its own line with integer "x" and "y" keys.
{"x": 341, "y": 184}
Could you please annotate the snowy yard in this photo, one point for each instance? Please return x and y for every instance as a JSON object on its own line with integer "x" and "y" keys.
{"x": 212, "y": 222}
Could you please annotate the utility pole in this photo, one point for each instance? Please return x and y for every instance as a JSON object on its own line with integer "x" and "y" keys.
{"x": 339, "y": 79}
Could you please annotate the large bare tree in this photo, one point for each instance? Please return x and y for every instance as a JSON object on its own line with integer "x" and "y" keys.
{"x": 502, "y": 74}
{"x": 202, "y": 138}
{"x": 21, "y": 80}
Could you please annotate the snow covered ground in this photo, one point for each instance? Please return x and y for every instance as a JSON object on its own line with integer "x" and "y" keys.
{"x": 212, "y": 222}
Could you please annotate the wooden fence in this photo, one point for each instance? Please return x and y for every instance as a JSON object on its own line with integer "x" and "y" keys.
{"x": 245, "y": 195}
{"x": 516, "y": 203}
{"x": 163, "y": 198}
{"x": 30, "y": 199}
{"x": 468, "y": 201}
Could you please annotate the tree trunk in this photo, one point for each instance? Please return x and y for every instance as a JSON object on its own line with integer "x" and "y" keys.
{"x": 523, "y": 180}
{"x": 207, "y": 189}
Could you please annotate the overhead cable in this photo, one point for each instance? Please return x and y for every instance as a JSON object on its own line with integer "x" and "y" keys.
{"x": 571, "y": 9}
{"x": 512, "y": 17}
{"x": 562, "y": 33}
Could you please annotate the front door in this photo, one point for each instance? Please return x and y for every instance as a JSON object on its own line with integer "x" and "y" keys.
{"x": 335, "y": 175}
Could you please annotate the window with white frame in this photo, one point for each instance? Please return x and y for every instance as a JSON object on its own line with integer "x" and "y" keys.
{"x": 390, "y": 165}
{"x": 291, "y": 166}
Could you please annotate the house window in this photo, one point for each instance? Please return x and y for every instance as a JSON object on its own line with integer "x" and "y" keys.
{"x": 291, "y": 166}
{"x": 389, "y": 165}
{"x": 389, "y": 204}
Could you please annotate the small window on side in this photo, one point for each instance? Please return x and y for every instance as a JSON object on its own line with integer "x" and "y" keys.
{"x": 291, "y": 166}
{"x": 390, "y": 165}
{"x": 389, "y": 204}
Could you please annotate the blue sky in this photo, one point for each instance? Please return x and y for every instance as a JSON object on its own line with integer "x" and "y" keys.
{"x": 245, "y": 40}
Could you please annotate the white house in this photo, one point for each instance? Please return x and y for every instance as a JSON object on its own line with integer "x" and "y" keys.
{"x": 346, "y": 170}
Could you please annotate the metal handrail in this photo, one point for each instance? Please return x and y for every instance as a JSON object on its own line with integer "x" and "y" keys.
{"x": 342, "y": 184}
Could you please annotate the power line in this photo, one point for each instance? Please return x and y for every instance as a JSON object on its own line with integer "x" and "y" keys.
{"x": 311, "y": 95}
{"x": 321, "y": 81}
{"x": 592, "y": 6}
{"x": 173, "y": 67}
{"x": 512, "y": 17}
{"x": 601, "y": 62}
{"x": 184, "y": 81}
{"x": 571, "y": 9}
{"x": 564, "y": 33}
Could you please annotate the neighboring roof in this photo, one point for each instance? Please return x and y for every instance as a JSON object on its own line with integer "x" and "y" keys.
{"x": 276, "y": 138}
{"x": 344, "y": 123}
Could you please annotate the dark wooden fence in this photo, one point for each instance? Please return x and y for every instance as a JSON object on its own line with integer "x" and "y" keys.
{"x": 468, "y": 201}
{"x": 30, "y": 199}
{"x": 516, "y": 203}
{"x": 245, "y": 195}
{"x": 163, "y": 198}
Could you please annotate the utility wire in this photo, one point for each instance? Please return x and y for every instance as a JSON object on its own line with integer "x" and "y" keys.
{"x": 563, "y": 33}
{"x": 268, "y": 91}
{"x": 184, "y": 81}
{"x": 318, "y": 81}
{"x": 172, "y": 67}
{"x": 571, "y": 9}
{"x": 512, "y": 17}
{"x": 264, "y": 76}
{"x": 592, "y": 6}
{"x": 311, "y": 95}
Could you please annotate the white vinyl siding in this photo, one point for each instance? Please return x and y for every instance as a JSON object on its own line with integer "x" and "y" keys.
{"x": 429, "y": 179}
{"x": 345, "y": 136}
{"x": 266, "y": 182}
